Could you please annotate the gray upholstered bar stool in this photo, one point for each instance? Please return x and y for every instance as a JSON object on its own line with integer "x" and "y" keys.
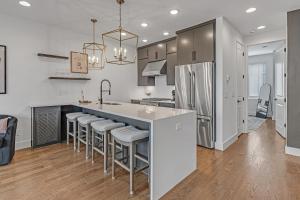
{"x": 72, "y": 126}
{"x": 129, "y": 136}
{"x": 101, "y": 138}
{"x": 84, "y": 131}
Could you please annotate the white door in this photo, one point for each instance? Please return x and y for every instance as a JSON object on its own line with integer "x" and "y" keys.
{"x": 280, "y": 104}
{"x": 240, "y": 64}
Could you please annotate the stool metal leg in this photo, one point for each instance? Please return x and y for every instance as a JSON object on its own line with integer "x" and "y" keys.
{"x": 87, "y": 135}
{"x": 74, "y": 134}
{"x": 68, "y": 131}
{"x": 131, "y": 164}
{"x": 113, "y": 158}
{"x": 105, "y": 142}
{"x": 93, "y": 144}
{"x": 79, "y": 137}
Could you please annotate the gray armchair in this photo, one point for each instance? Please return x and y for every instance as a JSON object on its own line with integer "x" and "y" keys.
{"x": 7, "y": 150}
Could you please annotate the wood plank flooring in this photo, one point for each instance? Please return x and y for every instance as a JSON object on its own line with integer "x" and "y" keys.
{"x": 255, "y": 167}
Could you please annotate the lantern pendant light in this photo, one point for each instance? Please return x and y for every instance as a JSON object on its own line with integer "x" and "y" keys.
{"x": 95, "y": 51}
{"x": 118, "y": 42}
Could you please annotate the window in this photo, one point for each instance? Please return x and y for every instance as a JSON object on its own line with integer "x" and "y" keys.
{"x": 256, "y": 77}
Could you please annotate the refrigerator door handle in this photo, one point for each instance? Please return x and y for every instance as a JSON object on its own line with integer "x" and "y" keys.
{"x": 194, "y": 88}
{"x": 191, "y": 83}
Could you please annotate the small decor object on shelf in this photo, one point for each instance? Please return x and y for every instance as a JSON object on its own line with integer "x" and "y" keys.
{"x": 119, "y": 40}
{"x": 95, "y": 51}
{"x": 79, "y": 62}
{"x": 2, "y": 69}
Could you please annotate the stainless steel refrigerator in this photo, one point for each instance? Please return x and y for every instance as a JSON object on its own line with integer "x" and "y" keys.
{"x": 194, "y": 90}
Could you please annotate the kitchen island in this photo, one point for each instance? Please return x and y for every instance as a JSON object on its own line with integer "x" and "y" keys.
{"x": 172, "y": 138}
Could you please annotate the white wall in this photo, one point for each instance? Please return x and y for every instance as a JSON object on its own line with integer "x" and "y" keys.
{"x": 28, "y": 81}
{"x": 226, "y": 101}
{"x": 267, "y": 59}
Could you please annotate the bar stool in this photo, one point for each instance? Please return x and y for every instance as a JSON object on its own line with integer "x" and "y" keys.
{"x": 129, "y": 136}
{"x": 101, "y": 133}
{"x": 72, "y": 122}
{"x": 84, "y": 131}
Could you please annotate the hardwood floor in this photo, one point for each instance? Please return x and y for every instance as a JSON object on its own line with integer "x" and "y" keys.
{"x": 255, "y": 167}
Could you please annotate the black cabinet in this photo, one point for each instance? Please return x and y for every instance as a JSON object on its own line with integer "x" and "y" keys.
{"x": 157, "y": 52}
{"x": 46, "y": 125}
{"x": 142, "y": 80}
{"x": 171, "y": 63}
{"x": 196, "y": 45}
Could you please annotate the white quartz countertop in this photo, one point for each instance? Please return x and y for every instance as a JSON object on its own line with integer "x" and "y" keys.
{"x": 133, "y": 111}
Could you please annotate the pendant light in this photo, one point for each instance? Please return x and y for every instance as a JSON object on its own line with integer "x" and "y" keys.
{"x": 118, "y": 42}
{"x": 94, "y": 50}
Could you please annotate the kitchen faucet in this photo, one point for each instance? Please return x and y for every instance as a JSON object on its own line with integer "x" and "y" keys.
{"x": 101, "y": 90}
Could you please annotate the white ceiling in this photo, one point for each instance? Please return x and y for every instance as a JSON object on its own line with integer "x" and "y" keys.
{"x": 76, "y": 14}
{"x": 266, "y": 48}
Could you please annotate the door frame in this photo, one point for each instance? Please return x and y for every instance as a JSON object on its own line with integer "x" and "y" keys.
{"x": 246, "y": 78}
{"x": 244, "y": 89}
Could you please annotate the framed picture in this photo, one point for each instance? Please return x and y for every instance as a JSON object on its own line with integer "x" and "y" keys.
{"x": 2, "y": 69}
{"x": 79, "y": 62}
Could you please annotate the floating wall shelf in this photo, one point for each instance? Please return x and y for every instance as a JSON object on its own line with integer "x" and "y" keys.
{"x": 52, "y": 56}
{"x": 70, "y": 78}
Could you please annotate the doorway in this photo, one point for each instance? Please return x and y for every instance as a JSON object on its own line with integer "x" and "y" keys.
{"x": 266, "y": 85}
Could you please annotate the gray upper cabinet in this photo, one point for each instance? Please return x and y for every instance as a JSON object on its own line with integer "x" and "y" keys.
{"x": 185, "y": 47}
{"x": 172, "y": 46}
{"x": 142, "y": 53}
{"x": 204, "y": 44}
{"x": 196, "y": 45}
{"x": 157, "y": 52}
{"x": 171, "y": 63}
{"x": 144, "y": 81}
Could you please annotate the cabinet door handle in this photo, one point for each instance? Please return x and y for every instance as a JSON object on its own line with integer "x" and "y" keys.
{"x": 156, "y": 55}
{"x": 194, "y": 55}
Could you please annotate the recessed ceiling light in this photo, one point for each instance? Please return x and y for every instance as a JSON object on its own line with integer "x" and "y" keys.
{"x": 24, "y": 3}
{"x": 123, "y": 33}
{"x": 174, "y": 12}
{"x": 144, "y": 24}
{"x": 144, "y": 40}
{"x": 250, "y": 10}
{"x": 166, "y": 33}
{"x": 261, "y": 27}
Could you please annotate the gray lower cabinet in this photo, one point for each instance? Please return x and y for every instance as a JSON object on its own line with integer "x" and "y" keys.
{"x": 171, "y": 63}
{"x": 144, "y": 81}
{"x": 46, "y": 125}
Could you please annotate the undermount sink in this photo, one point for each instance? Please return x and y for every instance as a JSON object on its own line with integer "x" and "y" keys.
{"x": 113, "y": 104}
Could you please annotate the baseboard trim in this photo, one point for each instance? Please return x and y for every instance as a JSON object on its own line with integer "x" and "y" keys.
{"x": 292, "y": 151}
{"x": 227, "y": 143}
{"x": 23, "y": 144}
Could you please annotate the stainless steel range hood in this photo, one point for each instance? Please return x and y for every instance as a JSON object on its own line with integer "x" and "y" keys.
{"x": 156, "y": 68}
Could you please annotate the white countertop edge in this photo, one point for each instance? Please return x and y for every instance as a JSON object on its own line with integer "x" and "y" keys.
{"x": 90, "y": 107}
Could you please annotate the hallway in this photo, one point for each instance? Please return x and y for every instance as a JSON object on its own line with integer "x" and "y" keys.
{"x": 255, "y": 167}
